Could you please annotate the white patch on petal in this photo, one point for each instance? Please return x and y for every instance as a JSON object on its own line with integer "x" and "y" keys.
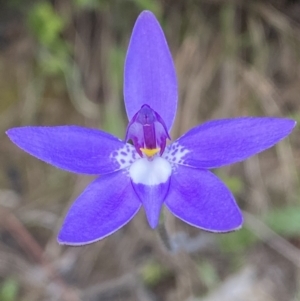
{"x": 125, "y": 156}
{"x": 175, "y": 153}
{"x": 155, "y": 172}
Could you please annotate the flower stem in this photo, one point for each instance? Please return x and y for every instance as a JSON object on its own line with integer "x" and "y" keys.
{"x": 165, "y": 237}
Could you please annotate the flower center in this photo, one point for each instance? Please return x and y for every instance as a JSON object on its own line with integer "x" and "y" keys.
{"x": 148, "y": 132}
{"x": 150, "y": 152}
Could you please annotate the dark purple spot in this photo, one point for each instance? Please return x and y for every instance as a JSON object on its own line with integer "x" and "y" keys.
{"x": 174, "y": 152}
{"x": 122, "y": 161}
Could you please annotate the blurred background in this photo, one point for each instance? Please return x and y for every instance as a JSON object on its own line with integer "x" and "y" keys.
{"x": 61, "y": 62}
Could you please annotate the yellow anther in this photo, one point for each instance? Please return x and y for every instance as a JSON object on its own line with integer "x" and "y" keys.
{"x": 150, "y": 152}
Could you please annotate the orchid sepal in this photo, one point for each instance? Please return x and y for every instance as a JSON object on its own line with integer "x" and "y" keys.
{"x": 149, "y": 73}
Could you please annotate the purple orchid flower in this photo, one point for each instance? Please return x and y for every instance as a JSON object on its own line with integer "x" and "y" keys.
{"x": 149, "y": 172}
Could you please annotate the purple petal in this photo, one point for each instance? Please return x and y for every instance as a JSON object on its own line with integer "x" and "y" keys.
{"x": 200, "y": 199}
{"x": 74, "y": 148}
{"x": 152, "y": 198}
{"x": 150, "y": 180}
{"x": 150, "y": 76}
{"x": 104, "y": 207}
{"x": 227, "y": 141}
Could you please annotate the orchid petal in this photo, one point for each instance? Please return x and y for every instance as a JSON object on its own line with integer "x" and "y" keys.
{"x": 104, "y": 207}
{"x": 221, "y": 142}
{"x": 150, "y": 180}
{"x": 149, "y": 76}
{"x": 200, "y": 199}
{"x": 74, "y": 148}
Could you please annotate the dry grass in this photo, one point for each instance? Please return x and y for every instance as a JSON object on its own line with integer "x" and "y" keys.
{"x": 233, "y": 58}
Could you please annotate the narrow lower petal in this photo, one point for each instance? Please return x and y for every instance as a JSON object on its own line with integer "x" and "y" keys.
{"x": 104, "y": 207}
{"x": 200, "y": 199}
{"x": 151, "y": 180}
{"x": 149, "y": 76}
{"x": 74, "y": 148}
{"x": 221, "y": 142}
